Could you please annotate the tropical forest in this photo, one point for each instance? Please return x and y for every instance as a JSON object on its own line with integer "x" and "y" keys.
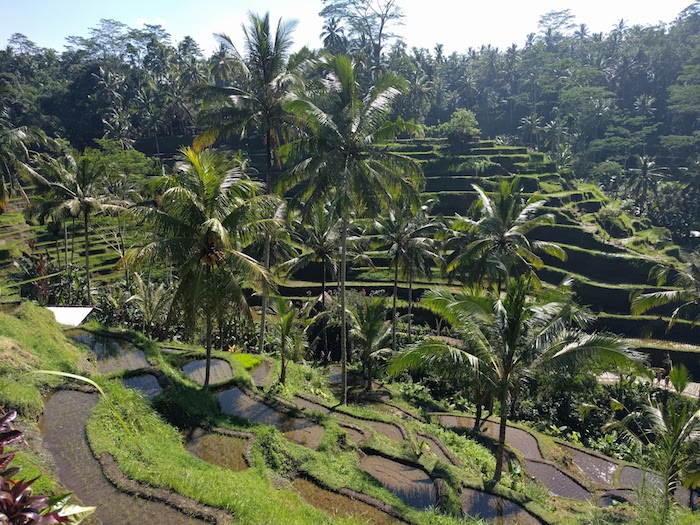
{"x": 362, "y": 283}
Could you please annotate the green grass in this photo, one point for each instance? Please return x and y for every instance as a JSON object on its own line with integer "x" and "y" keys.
{"x": 248, "y": 494}
{"x": 32, "y": 340}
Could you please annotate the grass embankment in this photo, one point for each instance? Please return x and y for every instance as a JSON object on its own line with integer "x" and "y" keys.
{"x": 32, "y": 340}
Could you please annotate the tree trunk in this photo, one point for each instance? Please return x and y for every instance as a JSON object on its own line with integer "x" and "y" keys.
{"x": 368, "y": 367}
{"x": 268, "y": 188}
{"x": 87, "y": 259}
{"x": 208, "y": 365}
{"x": 410, "y": 304}
{"x": 265, "y": 299}
{"x": 500, "y": 452}
{"x": 343, "y": 320}
{"x": 283, "y": 363}
{"x": 326, "y": 354}
{"x": 477, "y": 419}
{"x": 393, "y": 311}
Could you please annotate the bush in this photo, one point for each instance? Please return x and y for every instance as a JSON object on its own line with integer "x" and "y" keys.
{"x": 461, "y": 128}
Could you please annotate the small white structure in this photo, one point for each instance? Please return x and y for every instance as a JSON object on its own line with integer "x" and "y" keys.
{"x": 70, "y": 315}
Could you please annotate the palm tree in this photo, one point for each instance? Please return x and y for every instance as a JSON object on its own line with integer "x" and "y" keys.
{"x": 333, "y": 36}
{"x": 371, "y": 331}
{"x": 498, "y": 242}
{"x": 320, "y": 237}
{"x": 153, "y": 302}
{"x": 687, "y": 297}
{"x": 289, "y": 327}
{"x": 505, "y": 336}
{"x": 14, "y": 153}
{"x": 409, "y": 250}
{"x": 671, "y": 431}
{"x": 257, "y": 103}
{"x": 644, "y": 180}
{"x": 77, "y": 188}
{"x": 210, "y": 211}
{"x": 339, "y": 160}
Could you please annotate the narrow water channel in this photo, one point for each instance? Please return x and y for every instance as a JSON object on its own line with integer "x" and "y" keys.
{"x": 63, "y": 431}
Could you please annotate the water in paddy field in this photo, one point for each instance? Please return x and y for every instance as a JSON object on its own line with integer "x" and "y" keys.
{"x": 63, "y": 431}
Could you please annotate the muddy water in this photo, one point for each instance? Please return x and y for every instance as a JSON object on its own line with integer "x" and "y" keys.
{"x": 494, "y": 508}
{"x": 338, "y": 505}
{"x": 113, "y": 355}
{"x": 225, "y": 451}
{"x": 301, "y": 431}
{"x": 219, "y": 371}
{"x": 147, "y": 384}
{"x": 412, "y": 485}
{"x": 556, "y": 481}
{"x": 516, "y": 438}
{"x": 63, "y": 431}
{"x": 259, "y": 373}
{"x": 595, "y": 468}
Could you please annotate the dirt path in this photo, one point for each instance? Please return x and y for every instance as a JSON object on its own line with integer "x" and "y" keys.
{"x": 412, "y": 485}
{"x": 63, "y": 430}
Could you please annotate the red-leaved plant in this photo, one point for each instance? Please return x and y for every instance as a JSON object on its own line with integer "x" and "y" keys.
{"x": 18, "y": 506}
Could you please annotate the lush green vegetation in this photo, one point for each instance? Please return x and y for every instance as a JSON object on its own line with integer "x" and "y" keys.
{"x": 340, "y": 205}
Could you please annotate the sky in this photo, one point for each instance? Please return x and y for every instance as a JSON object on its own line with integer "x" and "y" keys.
{"x": 457, "y": 24}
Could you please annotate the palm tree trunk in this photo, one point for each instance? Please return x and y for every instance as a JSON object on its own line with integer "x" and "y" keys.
{"x": 283, "y": 363}
{"x": 265, "y": 299}
{"x": 368, "y": 367}
{"x": 72, "y": 243}
{"x": 343, "y": 320}
{"x": 87, "y": 258}
{"x": 325, "y": 320}
{"x": 500, "y": 452}
{"x": 410, "y": 303}
{"x": 393, "y": 311}
{"x": 208, "y": 365}
{"x": 268, "y": 188}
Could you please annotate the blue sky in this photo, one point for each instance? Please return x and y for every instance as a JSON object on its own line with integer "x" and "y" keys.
{"x": 457, "y": 24}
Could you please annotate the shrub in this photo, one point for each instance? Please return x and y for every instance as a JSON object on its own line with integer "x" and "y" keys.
{"x": 461, "y": 128}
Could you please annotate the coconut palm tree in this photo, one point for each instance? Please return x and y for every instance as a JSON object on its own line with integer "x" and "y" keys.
{"x": 14, "y": 152}
{"x": 505, "y": 336}
{"x": 671, "y": 431}
{"x": 687, "y": 297}
{"x": 498, "y": 242}
{"x": 371, "y": 331}
{"x": 338, "y": 158}
{"x": 410, "y": 251}
{"x": 210, "y": 211}
{"x": 289, "y": 327}
{"x": 76, "y": 185}
{"x": 644, "y": 180}
{"x": 333, "y": 36}
{"x": 153, "y": 302}
{"x": 255, "y": 104}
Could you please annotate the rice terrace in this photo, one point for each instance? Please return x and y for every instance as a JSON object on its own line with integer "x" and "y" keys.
{"x": 279, "y": 279}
